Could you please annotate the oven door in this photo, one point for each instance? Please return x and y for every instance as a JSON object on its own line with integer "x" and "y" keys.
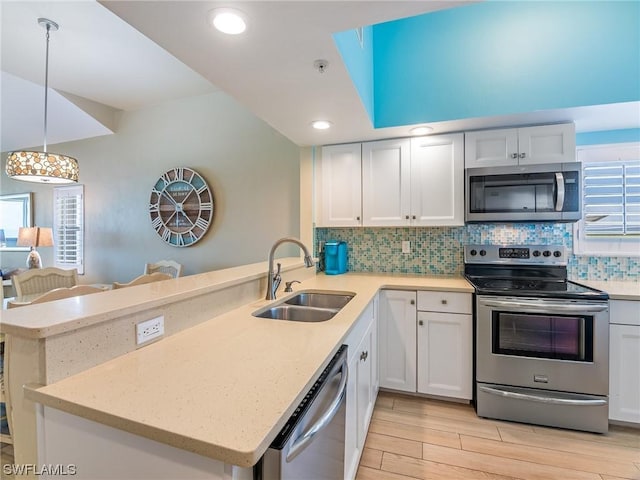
{"x": 546, "y": 344}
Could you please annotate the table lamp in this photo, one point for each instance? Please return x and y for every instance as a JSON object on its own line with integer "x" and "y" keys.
{"x": 34, "y": 237}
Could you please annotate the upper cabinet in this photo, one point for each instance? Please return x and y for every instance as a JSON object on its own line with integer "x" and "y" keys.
{"x": 405, "y": 182}
{"x": 521, "y": 146}
{"x": 386, "y": 183}
{"x": 341, "y": 198}
{"x": 437, "y": 180}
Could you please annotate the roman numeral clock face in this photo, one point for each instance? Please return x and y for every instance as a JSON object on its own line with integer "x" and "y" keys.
{"x": 181, "y": 207}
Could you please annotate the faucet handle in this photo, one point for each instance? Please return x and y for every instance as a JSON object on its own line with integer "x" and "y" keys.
{"x": 287, "y": 285}
{"x": 279, "y": 266}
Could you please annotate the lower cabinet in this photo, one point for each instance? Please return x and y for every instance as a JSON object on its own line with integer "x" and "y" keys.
{"x": 362, "y": 387}
{"x": 624, "y": 361}
{"x": 425, "y": 342}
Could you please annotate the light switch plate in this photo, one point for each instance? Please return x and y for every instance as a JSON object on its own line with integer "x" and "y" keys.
{"x": 406, "y": 246}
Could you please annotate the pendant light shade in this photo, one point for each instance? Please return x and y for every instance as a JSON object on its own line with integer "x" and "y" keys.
{"x": 43, "y": 167}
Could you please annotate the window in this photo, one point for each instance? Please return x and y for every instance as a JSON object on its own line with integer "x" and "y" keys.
{"x": 68, "y": 227}
{"x": 611, "y": 201}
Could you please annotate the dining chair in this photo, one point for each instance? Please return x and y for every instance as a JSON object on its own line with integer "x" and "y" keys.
{"x": 42, "y": 280}
{"x": 142, "y": 279}
{"x": 164, "y": 266}
{"x": 64, "y": 292}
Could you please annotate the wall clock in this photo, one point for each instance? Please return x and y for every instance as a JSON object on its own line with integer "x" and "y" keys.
{"x": 181, "y": 207}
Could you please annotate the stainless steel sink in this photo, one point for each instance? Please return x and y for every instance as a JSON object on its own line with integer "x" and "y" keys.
{"x": 321, "y": 300}
{"x": 307, "y": 306}
{"x": 295, "y": 313}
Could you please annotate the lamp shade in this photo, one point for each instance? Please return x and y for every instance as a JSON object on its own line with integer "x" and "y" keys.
{"x": 42, "y": 167}
{"x": 35, "y": 237}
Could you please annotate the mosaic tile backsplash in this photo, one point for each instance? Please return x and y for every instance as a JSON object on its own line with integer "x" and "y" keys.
{"x": 439, "y": 251}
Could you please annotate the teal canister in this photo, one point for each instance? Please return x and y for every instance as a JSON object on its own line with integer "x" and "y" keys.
{"x": 335, "y": 257}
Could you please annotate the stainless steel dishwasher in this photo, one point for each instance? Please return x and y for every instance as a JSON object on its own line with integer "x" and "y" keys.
{"x": 311, "y": 444}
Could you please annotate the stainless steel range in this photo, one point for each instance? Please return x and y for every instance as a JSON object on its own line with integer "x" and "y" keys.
{"x": 542, "y": 341}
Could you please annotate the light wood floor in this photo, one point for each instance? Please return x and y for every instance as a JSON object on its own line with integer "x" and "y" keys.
{"x": 411, "y": 437}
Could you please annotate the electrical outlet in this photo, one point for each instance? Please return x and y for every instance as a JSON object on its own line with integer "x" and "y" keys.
{"x": 406, "y": 246}
{"x": 149, "y": 329}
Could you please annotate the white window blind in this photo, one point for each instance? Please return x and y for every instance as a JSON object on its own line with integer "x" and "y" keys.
{"x": 68, "y": 227}
{"x": 612, "y": 198}
{"x": 611, "y": 201}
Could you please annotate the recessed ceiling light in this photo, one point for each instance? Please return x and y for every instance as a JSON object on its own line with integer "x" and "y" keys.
{"x": 420, "y": 130}
{"x": 321, "y": 124}
{"x": 228, "y": 20}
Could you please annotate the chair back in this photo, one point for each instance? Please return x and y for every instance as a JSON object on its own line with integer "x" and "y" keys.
{"x": 142, "y": 279}
{"x": 60, "y": 293}
{"x": 42, "y": 280}
{"x": 164, "y": 266}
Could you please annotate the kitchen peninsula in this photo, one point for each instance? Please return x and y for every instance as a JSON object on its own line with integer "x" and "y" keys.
{"x": 222, "y": 388}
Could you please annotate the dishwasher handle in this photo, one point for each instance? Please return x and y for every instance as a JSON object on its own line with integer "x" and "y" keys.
{"x": 305, "y": 439}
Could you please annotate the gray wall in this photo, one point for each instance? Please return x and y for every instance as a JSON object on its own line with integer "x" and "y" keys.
{"x": 252, "y": 169}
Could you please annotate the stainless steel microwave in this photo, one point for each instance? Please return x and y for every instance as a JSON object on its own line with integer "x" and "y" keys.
{"x": 524, "y": 193}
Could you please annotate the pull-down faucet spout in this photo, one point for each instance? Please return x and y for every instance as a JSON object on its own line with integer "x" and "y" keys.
{"x": 273, "y": 280}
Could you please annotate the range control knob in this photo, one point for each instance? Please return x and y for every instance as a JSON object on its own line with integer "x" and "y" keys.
{"x": 546, "y": 253}
{"x": 557, "y": 253}
{"x": 536, "y": 253}
{"x": 483, "y": 253}
{"x": 473, "y": 253}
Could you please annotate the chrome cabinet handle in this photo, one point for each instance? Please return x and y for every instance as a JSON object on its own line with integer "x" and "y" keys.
{"x": 305, "y": 439}
{"x": 444, "y": 302}
{"x": 364, "y": 356}
{"x": 406, "y": 217}
{"x": 420, "y": 322}
{"x": 414, "y": 217}
{"x": 358, "y": 218}
{"x": 514, "y": 155}
{"x": 522, "y": 155}
{"x": 412, "y": 302}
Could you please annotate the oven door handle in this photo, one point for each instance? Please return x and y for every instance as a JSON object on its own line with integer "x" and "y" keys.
{"x": 542, "y": 399}
{"x": 546, "y": 306}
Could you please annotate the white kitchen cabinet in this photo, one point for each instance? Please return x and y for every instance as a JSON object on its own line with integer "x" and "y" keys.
{"x": 386, "y": 183}
{"x": 624, "y": 361}
{"x": 362, "y": 387}
{"x": 397, "y": 339}
{"x": 521, "y": 146}
{"x": 436, "y": 357}
{"x": 437, "y": 180}
{"x": 341, "y": 174}
{"x": 445, "y": 344}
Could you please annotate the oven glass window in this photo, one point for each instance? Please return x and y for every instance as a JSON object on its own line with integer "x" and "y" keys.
{"x": 543, "y": 336}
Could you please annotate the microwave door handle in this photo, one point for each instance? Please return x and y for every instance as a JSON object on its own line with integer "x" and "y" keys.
{"x": 559, "y": 191}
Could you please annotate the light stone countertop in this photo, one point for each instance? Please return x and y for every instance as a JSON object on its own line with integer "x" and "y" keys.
{"x": 54, "y": 318}
{"x": 617, "y": 290}
{"x": 226, "y": 387}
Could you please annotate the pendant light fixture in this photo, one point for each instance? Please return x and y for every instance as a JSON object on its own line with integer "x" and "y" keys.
{"x": 43, "y": 167}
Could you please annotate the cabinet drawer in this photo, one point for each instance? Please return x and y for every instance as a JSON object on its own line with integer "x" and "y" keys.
{"x": 448, "y": 302}
{"x": 624, "y": 312}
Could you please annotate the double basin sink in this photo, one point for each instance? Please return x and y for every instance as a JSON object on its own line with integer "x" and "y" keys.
{"x": 307, "y": 306}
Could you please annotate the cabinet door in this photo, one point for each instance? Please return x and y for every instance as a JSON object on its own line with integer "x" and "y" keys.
{"x": 365, "y": 385}
{"x": 437, "y": 180}
{"x": 397, "y": 340}
{"x": 445, "y": 354}
{"x": 341, "y": 186}
{"x": 385, "y": 183}
{"x": 491, "y": 148}
{"x": 547, "y": 144}
{"x": 352, "y": 451}
{"x": 624, "y": 373}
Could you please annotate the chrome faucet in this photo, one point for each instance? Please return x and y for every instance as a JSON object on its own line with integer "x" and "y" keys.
{"x": 273, "y": 280}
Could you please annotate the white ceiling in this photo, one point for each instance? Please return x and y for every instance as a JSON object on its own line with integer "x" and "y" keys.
{"x": 269, "y": 69}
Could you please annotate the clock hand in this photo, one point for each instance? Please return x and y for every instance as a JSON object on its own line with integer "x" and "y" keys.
{"x": 185, "y": 216}
{"x": 164, "y": 192}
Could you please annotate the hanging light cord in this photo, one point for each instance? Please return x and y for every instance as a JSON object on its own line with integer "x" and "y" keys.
{"x": 46, "y": 87}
